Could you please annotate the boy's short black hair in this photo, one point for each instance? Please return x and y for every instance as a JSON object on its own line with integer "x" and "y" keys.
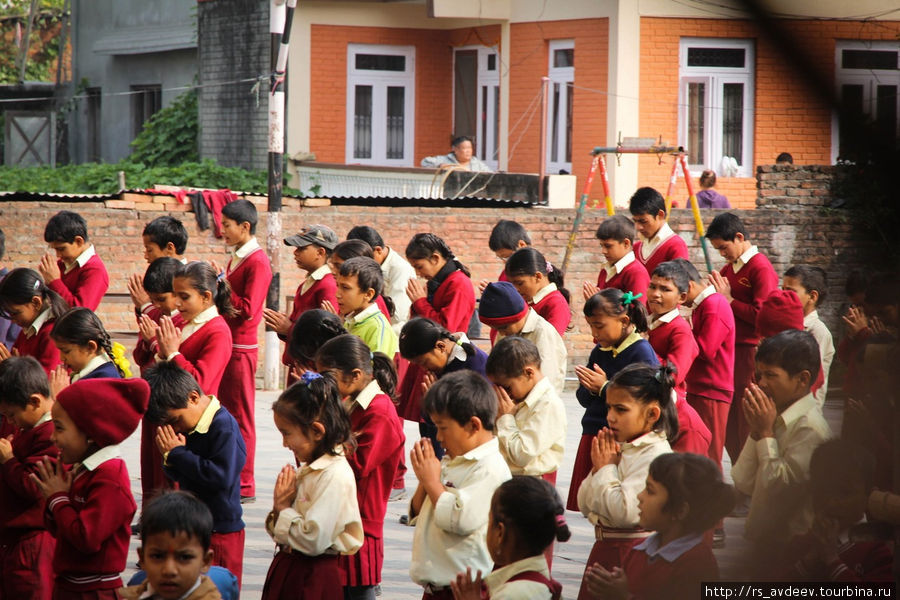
{"x": 792, "y": 350}
{"x": 506, "y": 235}
{"x": 689, "y": 268}
{"x": 672, "y": 271}
{"x": 170, "y": 387}
{"x": 165, "y": 229}
{"x": 811, "y": 278}
{"x": 20, "y": 377}
{"x": 176, "y": 512}
{"x": 462, "y": 395}
{"x": 510, "y": 356}
{"x": 646, "y": 201}
{"x": 64, "y": 227}
{"x": 725, "y": 227}
{"x": 241, "y": 211}
{"x": 159, "y": 275}
{"x": 616, "y": 227}
{"x": 367, "y": 234}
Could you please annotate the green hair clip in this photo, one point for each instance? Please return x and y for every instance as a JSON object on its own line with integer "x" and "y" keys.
{"x": 629, "y": 297}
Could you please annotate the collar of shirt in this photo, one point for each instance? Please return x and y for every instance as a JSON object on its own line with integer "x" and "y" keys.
{"x": 365, "y": 395}
{"x": 205, "y": 316}
{"x": 362, "y": 315}
{"x": 206, "y": 418}
{"x": 100, "y": 456}
{"x": 47, "y": 416}
{"x": 150, "y": 593}
{"x": 671, "y": 551}
{"x": 82, "y": 258}
{"x": 630, "y": 339}
{"x": 664, "y": 233}
{"x": 531, "y": 321}
{"x": 500, "y": 576}
{"x": 539, "y": 389}
{"x": 543, "y": 293}
{"x": 100, "y": 359}
{"x": 744, "y": 258}
{"x": 797, "y": 409}
{"x": 612, "y": 270}
{"x": 703, "y": 295}
{"x": 38, "y": 322}
{"x": 666, "y": 318}
{"x": 315, "y": 276}
{"x": 458, "y": 352}
{"x": 477, "y": 453}
{"x": 648, "y": 439}
{"x": 811, "y": 318}
{"x": 246, "y": 249}
{"x": 323, "y": 461}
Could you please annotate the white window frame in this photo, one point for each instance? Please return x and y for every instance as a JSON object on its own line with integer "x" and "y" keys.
{"x": 562, "y": 76}
{"x": 380, "y": 81}
{"x": 714, "y": 79}
{"x": 487, "y": 143}
{"x": 868, "y": 78}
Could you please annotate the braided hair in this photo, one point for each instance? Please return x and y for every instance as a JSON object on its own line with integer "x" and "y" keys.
{"x": 80, "y": 326}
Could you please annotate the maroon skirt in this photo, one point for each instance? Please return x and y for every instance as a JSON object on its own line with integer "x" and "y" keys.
{"x": 580, "y": 470}
{"x": 294, "y": 575}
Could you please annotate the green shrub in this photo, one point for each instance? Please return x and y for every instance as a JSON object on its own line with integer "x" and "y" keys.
{"x": 169, "y": 137}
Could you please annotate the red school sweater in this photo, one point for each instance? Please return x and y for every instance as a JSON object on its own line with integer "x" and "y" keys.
{"x": 693, "y": 434}
{"x": 674, "y": 344}
{"x": 249, "y": 281}
{"x": 82, "y": 286}
{"x": 205, "y": 354}
{"x": 453, "y": 303}
{"x": 674, "y": 247}
{"x": 633, "y": 278}
{"x": 749, "y": 288}
{"x": 21, "y": 503}
{"x": 321, "y": 290}
{"x": 664, "y": 580}
{"x": 92, "y": 527}
{"x": 555, "y": 310}
{"x": 712, "y": 374}
{"x": 40, "y": 346}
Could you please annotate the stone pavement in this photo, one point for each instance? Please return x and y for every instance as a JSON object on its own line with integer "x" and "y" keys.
{"x": 569, "y": 558}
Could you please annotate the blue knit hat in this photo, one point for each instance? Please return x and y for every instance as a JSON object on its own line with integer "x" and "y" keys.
{"x": 501, "y": 305}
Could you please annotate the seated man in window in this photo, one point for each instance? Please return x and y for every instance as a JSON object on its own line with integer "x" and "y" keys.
{"x": 462, "y": 156}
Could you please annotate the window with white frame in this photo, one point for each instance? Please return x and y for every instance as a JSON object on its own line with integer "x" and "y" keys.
{"x": 715, "y": 99}
{"x": 380, "y": 104}
{"x": 561, "y": 72}
{"x": 867, "y": 75}
{"x": 476, "y": 99}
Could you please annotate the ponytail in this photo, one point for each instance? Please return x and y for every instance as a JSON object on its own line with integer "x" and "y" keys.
{"x": 348, "y": 352}
{"x": 420, "y": 335}
{"x": 533, "y": 509}
{"x": 20, "y": 285}
{"x": 528, "y": 262}
{"x": 222, "y": 297}
{"x": 203, "y": 278}
{"x": 423, "y": 245}
{"x": 612, "y": 302}
{"x": 648, "y": 384}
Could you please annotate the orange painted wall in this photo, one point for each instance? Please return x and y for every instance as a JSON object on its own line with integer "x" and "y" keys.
{"x": 789, "y": 116}
{"x": 529, "y": 62}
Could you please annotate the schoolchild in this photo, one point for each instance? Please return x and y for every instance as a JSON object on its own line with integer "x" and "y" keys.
{"x": 351, "y": 249}
{"x": 77, "y": 274}
{"x": 29, "y": 303}
{"x": 641, "y": 418}
{"x": 541, "y": 285}
{"x": 315, "y": 515}
{"x": 366, "y": 380}
{"x": 657, "y": 242}
{"x": 312, "y": 330}
{"x": 86, "y": 348}
{"x": 9, "y": 331}
{"x": 447, "y": 296}
{"x": 622, "y": 269}
{"x": 164, "y": 236}
{"x": 360, "y": 282}
{"x": 810, "y": 286}
{"x": 157, "y": 284}
{"x": 506, "y": 237}
{"x": 617, "y": 319}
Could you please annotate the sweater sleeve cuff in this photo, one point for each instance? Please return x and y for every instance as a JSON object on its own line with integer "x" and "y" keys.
{"x": 282, "y": 528}
{"x": 767, "y": 448}
{"x": 56, "y": 500}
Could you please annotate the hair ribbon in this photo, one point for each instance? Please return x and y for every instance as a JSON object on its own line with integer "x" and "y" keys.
{"x": 309, "y": 376}
{"x": 220, "y": 276}
{"x": 629, "y": 297}
{"x": 560, "y": 520}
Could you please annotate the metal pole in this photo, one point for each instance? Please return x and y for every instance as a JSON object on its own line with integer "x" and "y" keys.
{"x": 698, "y": 222}
{"x": 604, "y": 181}
{"x": 673, "y": 179}
{"x": 542, "y": 162}
{"x": 579, "y": 213}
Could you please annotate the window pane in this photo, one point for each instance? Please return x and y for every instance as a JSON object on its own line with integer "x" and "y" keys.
{"x": 696, "y": 122}
{"x": 851, "y": 118}
{"x": 380, "y": 62}
{"x": 733, "y": 121}
{"x": 362, "y": 122}
{"x": 395, "y": 110}
{"x": 492, "y": 62}
{"x": 482, "y": 136}
{"x": 869, "y": 59}
{"x": 496, "y": 121}
{"x": 564, "y": 58}
{"x": 716, "y": 57}
{"x": 886, "y": 115}
{"x": 554, "y": 125}
{"x": 569, "y": 97}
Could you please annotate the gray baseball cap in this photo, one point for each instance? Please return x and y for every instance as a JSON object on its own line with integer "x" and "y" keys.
{"x": 320, "y": 235}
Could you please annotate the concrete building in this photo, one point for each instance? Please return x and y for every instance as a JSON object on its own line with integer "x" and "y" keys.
{"x": 133, "y": 56}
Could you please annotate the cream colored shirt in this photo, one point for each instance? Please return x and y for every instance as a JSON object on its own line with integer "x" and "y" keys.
{"x": 744, "y": 258}
{"x": 397, "y": 273}
{"x": 814, "y": 325}
{"x": 550, "y": 345}
{"x": 199, "y": 321}
{"x": 82, "y": 259}
{"x": 450, "y": 535}
{"x": 313, "y": 277}
{"x": 703, "y": 295}
{"x": 325, "y": 515}
{"x": 544, "y": 292}
{"x": 499, "y": 589}
{"x": 609, "y": 496}
{"x": 98, "y": 360}
{"x": 670, "y": 316}
{"x": 533, "y": 437}
{"x": 612, "y": 270}
{"x": 773, "y": 471}
{"x": 241, "y": 253}
{"x": 365, "y": 396}
{"x": 38, "y": 322}
{"x": 648, "y": 246}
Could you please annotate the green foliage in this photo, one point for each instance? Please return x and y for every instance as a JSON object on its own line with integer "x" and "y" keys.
{"x": 169, "y": 138}
{"x": 43, "y": 44}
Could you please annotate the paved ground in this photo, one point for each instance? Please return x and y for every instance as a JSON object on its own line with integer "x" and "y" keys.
{"x": 569, "y": 558}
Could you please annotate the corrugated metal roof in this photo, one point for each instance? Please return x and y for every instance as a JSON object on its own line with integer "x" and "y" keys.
{"x": 463, "y": 202}
{"x": 53, "y": 196}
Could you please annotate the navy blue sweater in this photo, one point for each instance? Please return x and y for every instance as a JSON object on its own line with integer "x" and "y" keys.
{"x": 107, "y": 370}
{"x": 476, "y": 362}
{"x": 594, "y": 418}
{"x": 210, "y": 467}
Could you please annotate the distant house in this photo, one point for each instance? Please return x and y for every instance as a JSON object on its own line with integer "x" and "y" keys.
{"x": 134, "y": 57}
{"x": 387, "y": 83}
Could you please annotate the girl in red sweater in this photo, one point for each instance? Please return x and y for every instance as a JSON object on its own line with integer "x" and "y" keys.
{"x": 366, "y": 382}
{"x": 684, "y": 496}
{"x": 541, "y": 284}
{"x": 203, "y": 345}
{"x": 29, "y": 303}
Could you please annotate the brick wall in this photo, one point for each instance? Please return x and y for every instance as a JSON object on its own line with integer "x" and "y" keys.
{"x": 235, "y": 45}
{"x": 788, "y": 235}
